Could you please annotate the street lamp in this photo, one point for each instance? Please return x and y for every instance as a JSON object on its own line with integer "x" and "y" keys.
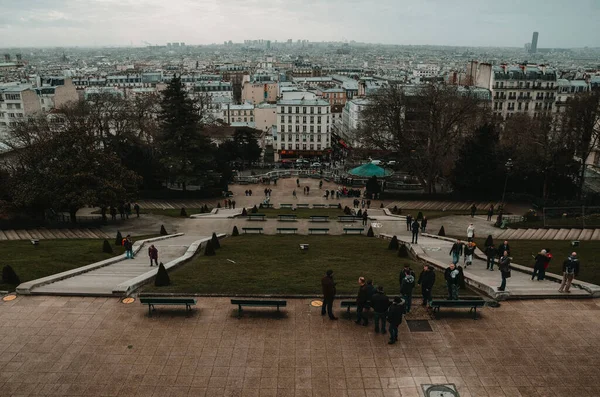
{"x": 508, "y": 166}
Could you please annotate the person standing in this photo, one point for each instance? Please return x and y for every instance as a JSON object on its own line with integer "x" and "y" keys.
{"x": 423, "y": 224}
{"x": 122, "y": 211}
{"x": 233, "y": 204}
{"x": 456, "y": 251}
{"x": 365, "y": 218}
{"x": 469, "y": 250}
{"x": 539, "y": 267}
{"x": 570, "y": 271}
{"x": 504, "y": 266}
{"x": 113, "y": 213}
{"x": 408, "y": 222}
{"x": 394, "y": 317}
{"x": 406, "y": 288}
{"x": 470, "y": 232}
{"x": 426, "y": 281}
{"x": 136, "y": 208}
{"x": 127, "y": 210}
{"x": 294, "y": 193}
{"x": 153, "y": 254}
{"x": 453, "y": 276}
{"x": 473, "y": 210}
{"x": 490, "y": 253}
{"x": 361, "y": 302}
{"x": 297, "y": 182}
{"x": 128, "y": 244}
{"x": 307, "y": 190}
{"x": 490, "y": 213}
{"x": 415, "y": 231}
{"x": 503, "y": 247}
{"x": 329, "y": 290}
{"x": 380, "y": 304}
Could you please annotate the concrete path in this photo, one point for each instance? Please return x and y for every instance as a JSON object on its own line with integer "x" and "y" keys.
{"x": 103, "y": 280}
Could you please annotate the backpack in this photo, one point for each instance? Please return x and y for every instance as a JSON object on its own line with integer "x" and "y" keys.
{"x": 123, "y": 242}
{"x": 570, "y": 269}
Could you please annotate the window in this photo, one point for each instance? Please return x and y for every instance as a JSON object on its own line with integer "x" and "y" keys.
{"x": 312, "y": 110}
{"x": 318, "y": 128}
{"x": 289, "y": 119}
{"x": 297, "y": 146}
{"x": 318, "y": 146}
{"x": 289, "y": 146}
{"x": 297, "y": 136}
{"x": 312, "y": 128}
{"x": 304, "y": 119}
{"x": 303, "y": 128}
{"x": 312, "y": 119}
{"x": 319, "y": 119}
{"x": 519, "y": 106}
{"x": 312, "y": 138}
{"x": 297, "y": 109}
{"x": 11, "y": 115}
{"x": 251, "y": 119}
{"x": 297, "y": 128}
{"x": 304, "y": 146}
{"x": 304, "y": 138}
{"x": 526, "y": 105}
{"x": 289, "y": 109}
{"x": 12, "y": 97}
{"x": 319, "y": 110}
{"x": 304, "y": 109}
{"x": 283, "y": 119}
{"x": 297, "y": 119}
{"x": 318, "y": 138}
{"x": 245, "y": 119}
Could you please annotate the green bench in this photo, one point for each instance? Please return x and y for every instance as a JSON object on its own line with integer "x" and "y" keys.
{"x": 302, "y": 205}
{"x": 315, "y": 230}
{"x": 472, "y": 304}
{"x": 256, "y": 217}
{"x": 257, "y": 303}
{"x": 286, "y": 206}
{"x": 348, "y": 305}
{"x": 348, "y": 218}
{"x": 334, "y": 206}
{"x": 269, "y": 205}
{"x": 151, "y": 302}
{"x": 350, "y": 230}
{"x": 281, "y": 230}
{"x": 319, "y": 218}
{"x": 287, "y": 217}
{"x": 319, "y": 205}
{"x": 259, "y": 230}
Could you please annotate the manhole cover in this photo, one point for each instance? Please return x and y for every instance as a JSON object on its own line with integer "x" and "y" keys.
{"x": 128, "y": 300}
{"x": 447, "y": 390}
{"x": 419, "y": 326}
{"x": 9, "y": 298}
{"x": 316, "y": 303}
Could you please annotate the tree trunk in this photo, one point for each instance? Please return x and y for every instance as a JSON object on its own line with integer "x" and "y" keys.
{"x": 184, "y": 186}
{"x": 581, "y": 179}
{"x": 103, "y": 212}
{"x": 73, "y": 215}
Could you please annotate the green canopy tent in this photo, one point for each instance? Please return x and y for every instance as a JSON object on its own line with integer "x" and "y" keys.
{"x": 368, "y": 170}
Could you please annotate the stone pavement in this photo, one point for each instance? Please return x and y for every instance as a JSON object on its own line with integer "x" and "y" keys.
{"x": 61, "y": 346}
{"x": 103, "y": 281}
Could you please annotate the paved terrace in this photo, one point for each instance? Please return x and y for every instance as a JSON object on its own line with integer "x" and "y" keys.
{"x": 58, "y": 346}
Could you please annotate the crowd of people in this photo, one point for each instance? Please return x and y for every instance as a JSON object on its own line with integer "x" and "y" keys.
{"x": 124, "y": 210}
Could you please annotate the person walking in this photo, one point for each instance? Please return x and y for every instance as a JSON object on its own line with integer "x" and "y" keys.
{"x": 539, "y": 268}
{"x": 453, "y": 276}
{"x": 406, "y": 288}
{"x": 297, "y": 182}
{"x": 365, "y": 218}
{"x": 122, "y": 211}
{"x": 320, "y": 184}
{"x": 394, "y": 318}
{"x": 415, "y": 231}
{"x": 361, "y": 302}
{"x": 469, "y": 250}
{"x": 473, "y": 210}
{"x": 570, "y": 271}
{"x": 504, "y": 267}
{"x": 307, "y": 190}
{"x": 380, "y": 304}
{"x": 326, "y": 194}
{"x": 153, "y": 254}
{"x": 456, "y": 251}
{"x": 490, "y": 213}
{"x": 128, "y": 244}
{"x": 233, "y": 204}
{"x": 408, "y": 222}
{"x": 470, "y": 232}
{"x": 136, "y": 208}
{"x": 127, "y": 210}
{"x": 113, "y": 213}
{"x": 294, "y": 193}
{"x": 490, "y": 253}
{"x": 426, "y": 281}
{"x": 329, "y": 290}
{"x": 423, "y": 224}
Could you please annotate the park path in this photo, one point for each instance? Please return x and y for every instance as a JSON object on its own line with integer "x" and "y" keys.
{"x": 102, "y": 281}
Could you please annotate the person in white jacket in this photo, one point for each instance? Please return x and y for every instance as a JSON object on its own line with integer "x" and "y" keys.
{"x": 470, "y": 232}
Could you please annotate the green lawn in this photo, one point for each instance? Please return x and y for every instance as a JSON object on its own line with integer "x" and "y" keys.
{"x": 275, "y": 265}
{"x": 302, "y": 213}
{"x": 588, "y": 253}
{"x": 52, "y": 256}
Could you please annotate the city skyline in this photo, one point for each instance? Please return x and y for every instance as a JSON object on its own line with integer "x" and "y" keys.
{"x": 469, "y": 23}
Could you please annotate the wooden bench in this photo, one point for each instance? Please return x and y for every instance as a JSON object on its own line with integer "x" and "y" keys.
{"x": 259, "y": 230}
{"x": 256, "y": 217}
{"x": 281, "y": 230}
{"x": 348, "y": 218}
{"x": 286, "y": 206}
{"x": 319, "y": 218}
{"x": 315, "y": 230}
{"x": 151, "y": 302}
{"x": 348, "y": 305}
{"x": 472, "y": 304}
{"x": 302, "y": 205}
{"x": 257, "y": 303}
{"x": 358, "y": 230}
{"x": 287, "y": 217}
{"x": 319, "y": 205}
{"x": 268, "y": 205}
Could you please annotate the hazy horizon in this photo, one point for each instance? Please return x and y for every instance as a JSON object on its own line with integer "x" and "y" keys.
{"x": 462, "y": 23}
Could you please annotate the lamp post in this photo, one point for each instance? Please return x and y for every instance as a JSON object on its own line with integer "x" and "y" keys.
{"x": 508, "y": 166}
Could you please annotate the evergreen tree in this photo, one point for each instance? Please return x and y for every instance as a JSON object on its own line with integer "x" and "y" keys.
{"x": 489, "y": 240}
{"x": 370, "y": 232}
{"x": 215, "y": 241}
{"x": 235, "y": 232}
{"x": 403, "y": 251}
{"x": 163, "y": 231}
{"x": 209, "y": 250}
{"x": 9, "y": 276}
{"x": 162, "y": 278}
{"x": 393, "y": 243}
{"x": 442, "y": 232}
{"x": 119, "y": 238}
{"x": 183, "y": 212}
{"x": 106, "y": 248}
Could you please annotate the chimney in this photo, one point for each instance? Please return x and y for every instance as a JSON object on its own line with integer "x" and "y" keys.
{"x": 19, "y": 57}
{"x": 6, "y": 57}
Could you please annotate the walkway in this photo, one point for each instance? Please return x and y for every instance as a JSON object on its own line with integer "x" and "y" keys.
{"x": 102, "y": 280}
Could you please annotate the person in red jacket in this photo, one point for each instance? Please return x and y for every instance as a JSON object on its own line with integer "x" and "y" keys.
{"x": 153, "y": 254}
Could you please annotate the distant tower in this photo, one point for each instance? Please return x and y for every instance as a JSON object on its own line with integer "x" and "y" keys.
{"x": 534, "y": 41}
{"x": 7, "y": 57}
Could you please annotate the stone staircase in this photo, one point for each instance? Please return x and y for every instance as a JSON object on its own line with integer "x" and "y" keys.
{"x": 441, "y": 205}
{"x": 46, "y": 234}
{"x": 549, "y": 234}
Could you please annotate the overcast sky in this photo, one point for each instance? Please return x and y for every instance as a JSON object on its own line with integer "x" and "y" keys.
{"x": 561, "y": 23}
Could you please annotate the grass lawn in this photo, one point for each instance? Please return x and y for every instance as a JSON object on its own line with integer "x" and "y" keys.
{"x": 302, "y": 213}
{"x": 275, "y": 265}
{"x": 588, "y": 253}
{"x": 52, "y": 256}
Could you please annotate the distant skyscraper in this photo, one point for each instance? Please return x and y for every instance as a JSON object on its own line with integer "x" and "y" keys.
{"x": 534, "y": 41}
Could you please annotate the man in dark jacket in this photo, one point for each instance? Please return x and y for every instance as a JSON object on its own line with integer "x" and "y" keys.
{"x": 415, "y": 231}
{"x": 539, "y": 267}
{"x": 456, "y": 251}
{"x": 453, "y": 276}
{"x": 361, "y": 302}
{"x": 394, "y": 317}
{"x": 380, "y": 303}
{"x": 426, "y": 281}
{"x": 408, "y": 221}
{"x": 503, "y": 247}
{"x": 570, "y": 271}
{"x": 128, "y": 244}
{"x": 490, "y": 253}
{"x": 329, "y": 291}
{"x": 424, "y": 224}
{"x": 504, "y": 267}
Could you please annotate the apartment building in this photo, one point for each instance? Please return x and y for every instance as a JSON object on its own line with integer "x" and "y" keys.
{"x": 239, "y": 115}
{"x": 260, "y": 91}
{"x": 17, "y": 102}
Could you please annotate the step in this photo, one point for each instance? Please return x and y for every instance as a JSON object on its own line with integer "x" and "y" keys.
{"x": 549, "y": 235}
{"x": 509, "y": 234}
{"x": 77, "y": 233}
{"x": 37, "y": 233}
{"x": 574, "y": 234}
{"x": 596, "y": 234}
{"x": 586, "y": 234}
{"x": 528, "y": 235}
{"x": 68, "y": 233}
{"x": 538, "y": 234}
{"x": 3, "y": 236}
{"x": 50, "y": 233}
{"x": 23, "y": 234}
{"x": 562, "y": 234}
{"x": 517, "y": 235}
{"x": 11, "y": 234}
{"x": 59, "y": 233}
{"x": 88, "y": 234}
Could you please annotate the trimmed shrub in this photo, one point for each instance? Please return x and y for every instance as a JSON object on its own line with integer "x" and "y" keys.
{"x": 359, "y": 213}
{"x": 442, "y": 232}
{"x": 210, "y": 249}
{"x": 205, "y": 208}
{"x": 119, "y": 239}
{"x": 162, "y": 278}
{"x": 163, "y": 231}
{"x": 489, "y": 240}
{"x": 219, "y": 204}
{"x": 235, "y": 232}
{"x": 106, "y": 247}
{"x": 244, "y": 212}
{"x": 381, "y": 206}
{"x": 403, "y": 251}
{"x": 347, "y": 210}
{"x": 183, "y": 212}
{"x": 339, "y": 206}
{"x": 260, "y": 206}
{"x": 215, "y": 241}
{"x": 9, "y": 276}
{"x": 370, "y": 232}
{"x": 254, "y": 210}
{"x": 395, "y": 209}
{"x": 419, "y": 216}
{"x": 394, "y": 244}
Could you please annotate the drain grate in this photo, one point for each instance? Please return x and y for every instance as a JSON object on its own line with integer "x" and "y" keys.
{"x": 419, "y": 326}
{"x": 440, "y": 390}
